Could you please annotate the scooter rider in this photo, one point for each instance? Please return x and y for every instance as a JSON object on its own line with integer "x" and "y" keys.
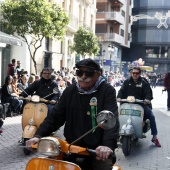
{"x": 76, "y": 109}
{"x": 136, "y": 86}
{"x": 43, "y": 87}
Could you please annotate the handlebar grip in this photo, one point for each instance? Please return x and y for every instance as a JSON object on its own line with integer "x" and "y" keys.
{"x": 112, "y": 156}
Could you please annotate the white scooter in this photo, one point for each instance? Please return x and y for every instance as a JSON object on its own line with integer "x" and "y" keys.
{"x": 132, "y": 126}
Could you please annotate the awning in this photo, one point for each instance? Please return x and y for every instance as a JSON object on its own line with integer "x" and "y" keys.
{"x": 9, "y": 39}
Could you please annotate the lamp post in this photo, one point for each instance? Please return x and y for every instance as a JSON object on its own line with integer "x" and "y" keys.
{"x": 111, "y": 50}
{"x": 104, "y": 51}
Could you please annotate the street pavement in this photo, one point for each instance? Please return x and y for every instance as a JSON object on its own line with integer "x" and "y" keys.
{"x": 144, "y": 155}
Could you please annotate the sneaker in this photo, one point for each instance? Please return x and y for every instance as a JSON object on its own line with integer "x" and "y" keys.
{"x": 1, "y": 131}
{"x": 1, "y": 123}
{"x": 156, "y": 142}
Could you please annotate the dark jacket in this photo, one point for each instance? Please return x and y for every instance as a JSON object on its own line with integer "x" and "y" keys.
{"x": 140, "y": 89}
{"x": 41, "y": 88}
{"x": 11, "y": 70}
{"x": 167, "y": 81}
{"x": 5, "y": 95}
{"x": 73, "y": 109}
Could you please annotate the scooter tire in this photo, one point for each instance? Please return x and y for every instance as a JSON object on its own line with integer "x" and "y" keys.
{"x": 126, "y": 145}
{"x": 25, "y": 150}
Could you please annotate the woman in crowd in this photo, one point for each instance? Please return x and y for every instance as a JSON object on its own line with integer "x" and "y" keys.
{"x": 8, "y": 96}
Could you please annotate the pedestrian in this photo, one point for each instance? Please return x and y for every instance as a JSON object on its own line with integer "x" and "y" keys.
{"x": 167, "y": 88}
{"x": 76, "y": 112}
{"x": 153, "y": 80}
{"x": 12, "y": 68}
{"x": 19, "y": 69}
{"x": 136, "y": 86}
{"x": 9, "y": 96}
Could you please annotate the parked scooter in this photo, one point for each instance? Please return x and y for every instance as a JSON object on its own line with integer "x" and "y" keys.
{"x": 33, "y": 115}
{"x": 54, "y": 149}
{"x": 132, "y": 125}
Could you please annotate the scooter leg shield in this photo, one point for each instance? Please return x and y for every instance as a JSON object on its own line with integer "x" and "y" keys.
{"x": 29, "y": 131}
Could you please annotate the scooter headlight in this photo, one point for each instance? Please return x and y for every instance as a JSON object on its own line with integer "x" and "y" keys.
{"x": 49, "y": 146}
{"x": 131, "y": 99}
{"x": 35, "y": 98}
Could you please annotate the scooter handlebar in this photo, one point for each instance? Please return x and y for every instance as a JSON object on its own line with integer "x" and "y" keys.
{"x": 111, "y": 156}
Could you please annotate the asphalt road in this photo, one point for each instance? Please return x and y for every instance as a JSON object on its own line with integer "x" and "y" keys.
{"x": 144, "y": 155}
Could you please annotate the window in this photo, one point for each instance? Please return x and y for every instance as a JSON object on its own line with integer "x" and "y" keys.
{"x": 123, "y": 13}
{"x": 157, "y": 52}
{"x": 122, "y": 33}
{"x": 47, "y": 42}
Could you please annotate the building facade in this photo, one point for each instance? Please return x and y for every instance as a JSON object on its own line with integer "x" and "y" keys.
{"x": 150, "y": 34}
{"x": 56, "y": 54}
{"x": 113, "y": 29}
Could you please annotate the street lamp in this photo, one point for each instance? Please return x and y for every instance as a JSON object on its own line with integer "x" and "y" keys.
{"x": 104, "y": 51}
{"x": 111, "y": 50}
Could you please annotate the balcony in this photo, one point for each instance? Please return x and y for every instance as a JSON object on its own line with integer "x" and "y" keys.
{"x": 103, "y": 17}
{"x": 73, "y": 24}
{"x": 113, "y": 37}
{"x": 84, "y": 25}
{"x": 89, "y": 1}
{"x": 117, "y": 2}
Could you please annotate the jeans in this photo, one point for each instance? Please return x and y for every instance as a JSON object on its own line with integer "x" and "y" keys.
{"x": 148, "y": 114}
{"x": 168, "y": 98}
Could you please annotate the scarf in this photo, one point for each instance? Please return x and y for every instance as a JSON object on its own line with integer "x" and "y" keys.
{"x": 93, "y": 89}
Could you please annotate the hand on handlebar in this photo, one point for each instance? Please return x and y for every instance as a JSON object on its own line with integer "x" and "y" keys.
{"x": 118, "y": 99}
{"x": 103, "y": 152}
{"x": 146, "y": 101}
{"x": 53, "y": 102}
{"x": 31, "y": 142}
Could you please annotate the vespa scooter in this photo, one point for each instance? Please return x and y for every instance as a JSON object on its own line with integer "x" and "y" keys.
{"x": 54, "y": 148}
{"x": 34, "y": 113}
{"x": 132, "y": 125}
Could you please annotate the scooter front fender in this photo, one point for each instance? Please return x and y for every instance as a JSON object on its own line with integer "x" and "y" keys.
{"x": 127, "y": 130}
{"x": 29, "y": 131}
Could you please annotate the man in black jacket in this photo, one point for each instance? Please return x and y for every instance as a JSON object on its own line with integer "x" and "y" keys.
{"x": 136, "y": 86}
{"x": 43, "y": 87}
{"x": 74, "y": 109}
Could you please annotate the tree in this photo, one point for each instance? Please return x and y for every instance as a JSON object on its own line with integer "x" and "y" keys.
{"x": 36, "y": 18}
{"x": 85, "y": 43}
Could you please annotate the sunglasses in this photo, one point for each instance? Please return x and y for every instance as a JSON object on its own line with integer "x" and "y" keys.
{"x": 47, "y": 73}
{"x": 88, "y": 73}
{"x": 137, "y": 73}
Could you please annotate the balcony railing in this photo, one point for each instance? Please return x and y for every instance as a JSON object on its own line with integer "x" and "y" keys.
{"x": 111, "y": 37}
{"x": 84, "y": 25}
{"x": 73, "y": 20}
{"x": 115, "y": 16}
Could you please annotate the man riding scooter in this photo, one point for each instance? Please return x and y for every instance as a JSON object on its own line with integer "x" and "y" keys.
{"x": 43, "y": 87}
{"x": 136, "y": 86}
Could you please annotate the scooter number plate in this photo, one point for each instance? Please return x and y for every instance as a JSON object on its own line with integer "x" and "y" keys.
{"x": 130, "y": 112}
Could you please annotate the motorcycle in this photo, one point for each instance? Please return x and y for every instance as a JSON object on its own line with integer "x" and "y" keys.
{"x": 34, "y": 113}
{"x": 132, "y": 125}
{"x": 54, "y": 148}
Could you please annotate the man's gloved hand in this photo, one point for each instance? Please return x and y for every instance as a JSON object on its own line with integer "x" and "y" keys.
{"x": 146, "y": 101}
{"x": 118, "y": 99}
{"x": 53, "y": 102}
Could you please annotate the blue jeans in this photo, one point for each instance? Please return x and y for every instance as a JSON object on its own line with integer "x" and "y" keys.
{"x": 168, "y": 98}
{"x": 148, "y": 114}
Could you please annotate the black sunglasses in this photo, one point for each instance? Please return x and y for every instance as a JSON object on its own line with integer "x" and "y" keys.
{"x": 135, "y": 73}
{"x": 88, "y": 73}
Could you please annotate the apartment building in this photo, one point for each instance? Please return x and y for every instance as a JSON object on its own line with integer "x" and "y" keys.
{"x": 113, "y": 29}
{"x": 56, "y": 54}
{"x": 151, "y": 34}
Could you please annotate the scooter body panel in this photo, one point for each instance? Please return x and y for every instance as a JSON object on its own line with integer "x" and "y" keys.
{"x": 135, "y": 112}
{"x": 50, "y": 164}
{"x": 29, "y": 131}
{"x": 34, "y": 114}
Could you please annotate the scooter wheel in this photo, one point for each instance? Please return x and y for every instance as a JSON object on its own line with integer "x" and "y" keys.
{"x": 25, "y": 150}
{"x": 126, "y": 145}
